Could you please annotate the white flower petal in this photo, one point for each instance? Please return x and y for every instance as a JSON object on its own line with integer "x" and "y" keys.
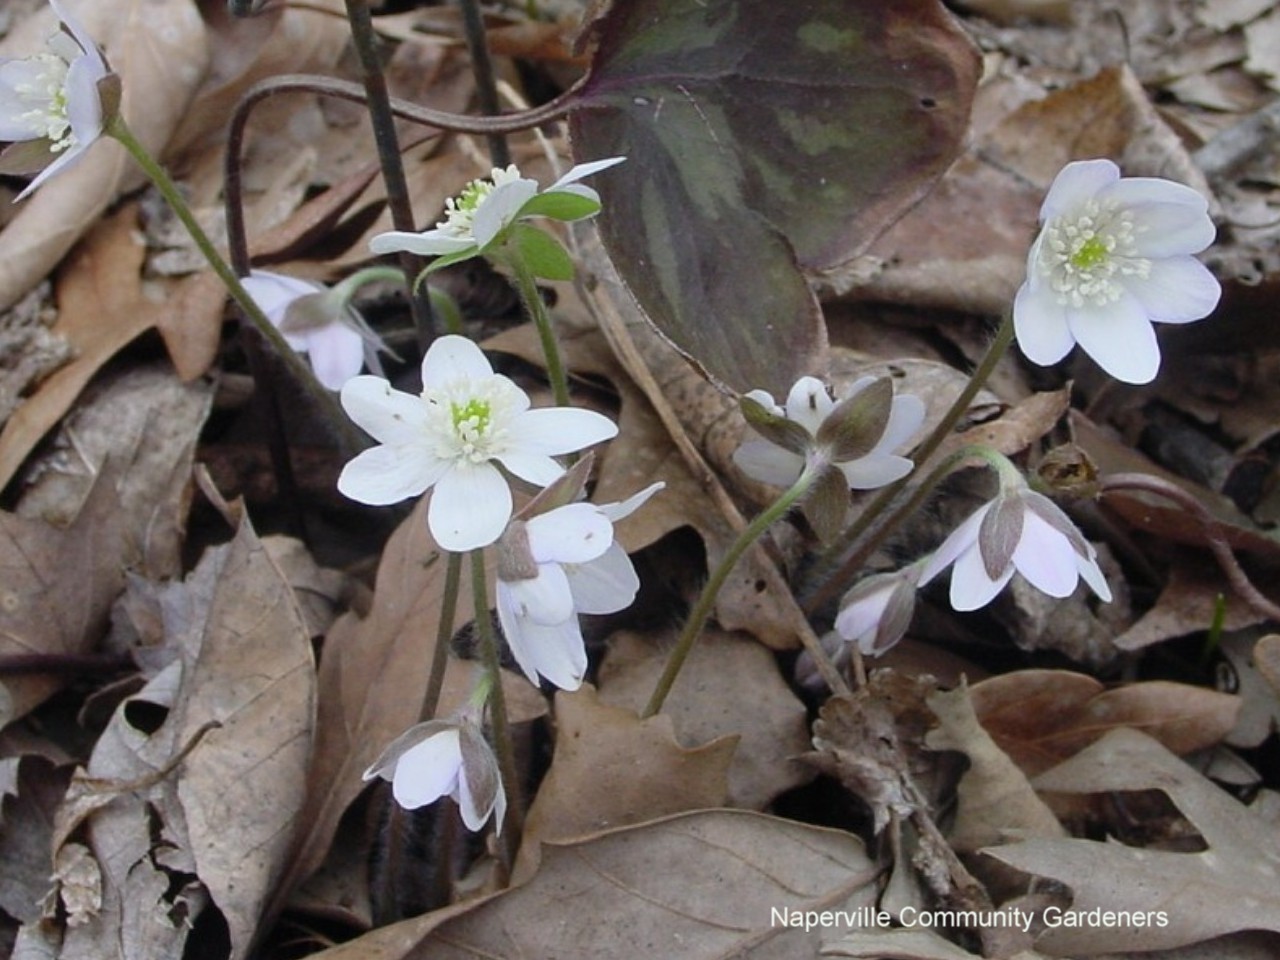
{"x": 432, "y": 243}
{"x": 1040, "y": 324}
{"x": 386, "y": 414}
{"x": 389, "y": 474}
{"x": 585, "y": 170}
{"x": 83, "y": 38}
{"x": 469, "y": 508}
{"x": 1075, "y": 184}
{"x": 1171, "y": 218}
{"x": 273, "y": 292}
{"x": 1119, "y": 337}
{"x": 557, "y": 652}
{"x": 605, "y": 585}
{"x": 765, "y": 400}
{"x": 498, "y": 209}
{"x": 536, "y": 468}
{"x": 545, "y": 599}
{"x": 862, "y": 617}
{"x": 906, "y": 415}
{"x": 1177, "y": 290}
{"x": 84, "y": 103}
{"x": 971, "y": 588}
{"x": 619, "y": 511}
{"x": 768, "y": 463}
{"x": 808, "y": 403}
{"x": 1045, "y": 558}
{"x": 957, "y": 542}
{"x": 556, "y": 430}
{"x": 1093, "y": 576}
{"x": 575, "y": 533}
{"x": 451, "y": 358}
{"x": 336, "y": 353}
{"x": 875, "y": 470}
{"x": 428, "y": 771}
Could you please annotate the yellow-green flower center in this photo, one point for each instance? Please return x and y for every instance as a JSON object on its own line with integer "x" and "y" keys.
{"x": 1090, "y": 253}
{"x": 45, "y": 96}
{"x": 460, "y": 211}
{"x": 471, "y": 419}
{"x": 1085, "y": 255}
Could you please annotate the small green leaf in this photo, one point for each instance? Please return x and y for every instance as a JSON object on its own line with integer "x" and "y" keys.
{"x": 857, "y": 423}
{"x": 565, "y": 207}
{"x": 439, "y": 263}
{"x": 541, "y": 253}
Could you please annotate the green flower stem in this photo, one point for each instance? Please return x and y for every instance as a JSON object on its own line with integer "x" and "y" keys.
{"x": 706, "y": 601}
{"x": 486, "y": 86}
{"x": 527, "y": 285}
{"x": 351, "y": 441}
{"x": 444, "y": 634}
{"x": 514, "y": 824}
{"x": 365, "y": 40}
{"x": 833, "y": 583}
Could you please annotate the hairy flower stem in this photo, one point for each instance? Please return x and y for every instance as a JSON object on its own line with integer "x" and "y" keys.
{"x": 527, "y": 285}
{"x": 706, "y": 601}
{"x": 502, "y": 745}
{"x": 1213, "y": 530}
{"x": 350, "y": 440}
{"x": 832, "y": 583}
{"x": 444, "y": 634}
{"x": 384, "y": 135}
{"x": 486, "y": 86}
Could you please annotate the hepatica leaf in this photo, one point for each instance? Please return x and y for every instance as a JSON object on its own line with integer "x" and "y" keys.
{"x": 763, "y": 139}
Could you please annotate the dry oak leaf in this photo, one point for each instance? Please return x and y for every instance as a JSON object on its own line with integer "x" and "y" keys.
{"x": 704, "y": 885}
{"x": 1231, "y": 886}
{"x": 1042, "y": 717}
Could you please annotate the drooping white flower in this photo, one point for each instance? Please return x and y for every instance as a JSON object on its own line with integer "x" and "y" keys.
{"x": 54, "y": 105}
{"x": 318, "y": 322}
{"x": 481, "y": 215}
{"x": 1113, "y": 256}
{"x": 448, "y": 438}
{"x": 1021, "y": 531}
{"x": 809, "y": 406}
{"x": 554, "y": 566}
{"x": 877, "y": 611}
{"x": 442, "y": 758}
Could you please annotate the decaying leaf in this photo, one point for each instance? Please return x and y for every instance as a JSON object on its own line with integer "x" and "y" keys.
{"x": 1226, "y": 888}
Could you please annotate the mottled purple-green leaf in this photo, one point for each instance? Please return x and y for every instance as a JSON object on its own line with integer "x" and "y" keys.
{"x": 763, "y": 138}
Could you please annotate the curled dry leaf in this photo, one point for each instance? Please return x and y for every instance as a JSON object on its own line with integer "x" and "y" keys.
{"x": 1228, "y": 887}
{"x": 1042, "y": 717}
{"x": 706, "y": 703}
{"x": 995, "y": 800}
{"x": 606, "y": 763}
{"x": 700, "y": 885}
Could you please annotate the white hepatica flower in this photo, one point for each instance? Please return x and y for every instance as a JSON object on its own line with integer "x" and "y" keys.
{"x": 442, "y": 758}
{"x": 1021, "y": 531}
{"x": 1114, "y": 254}
{"x": 447, "y": 439}
{"x": 484, "y": 210}
{"x": 810, "y": 407}
{"x": 553, "y": 567}
{"x": 875, "y": 614}
{"x": 315, "y": 321}
{"x": 52, "y": 104}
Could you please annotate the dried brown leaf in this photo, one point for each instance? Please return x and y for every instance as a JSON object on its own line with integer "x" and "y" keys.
{"x": 706, "y": 703}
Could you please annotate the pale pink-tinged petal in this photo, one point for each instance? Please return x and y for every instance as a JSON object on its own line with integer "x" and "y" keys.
{"x": 862, "y": 617}
{"x": 1177, "y": 290}
{"x": 427, "y": 772}
{"x": 808, "y": 403}
{"x": 84, "y": 103}
{"x": 469, "y": 508}
{"x": 585, "y": 170}
{"x": 451, "y": 358}
{"x": 544, "y": 599}
{"x": 1040, "y": 324}
{"x": 556, "y": 430}
{"x": 905, "y": 417}
{"x": 535, "y": 468}
{"x": 498, "y": 209}
{"x": 619, "y": 511}
{"x": 1045, "y": 558}
{"x": 1119, "y": 337}
{"x": 576, "y": 533}
{"x": 432, "y": 243}
{"x": 1093, "y": 576}
{"x": 273, "y": 292}
{"x": 336, "y": 353}
{"x": 385, "y": 413}
{"x": 605, "y": 585}
{"x": 557, "y": 652}
{"x": 768, "y": 463}
{"x": 875, "y": 470}
{"x": 1075, "y": 184}
{"x": 971, "y": 587}
{"x": 83, "y": 38}
{"x": 389, "y": 474}
{"x": 959, "y": 540}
